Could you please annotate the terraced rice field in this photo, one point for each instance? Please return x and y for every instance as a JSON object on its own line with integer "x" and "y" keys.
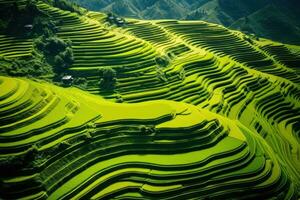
{"x": 88, "y": 147}
{"x": 220, "y": 121}
{"x": 12, "y": 47}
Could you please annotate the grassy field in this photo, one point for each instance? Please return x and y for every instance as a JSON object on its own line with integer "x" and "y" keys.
{"x": 219, "y": 119}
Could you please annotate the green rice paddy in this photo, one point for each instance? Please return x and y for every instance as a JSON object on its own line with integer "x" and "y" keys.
{"x": 222, "y": 123}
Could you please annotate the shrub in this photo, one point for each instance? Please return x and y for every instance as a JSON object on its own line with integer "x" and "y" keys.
{"x": 143, "y": 128}
{"x": 182, "y": 74}
{"x": 63, "y": 145}
{"x": 88, "y": 137}
{"x": 161, "y": 74}
{"x": 81, "y": 82}
{"x": 147, "y": 129}
{"x": 119, "y": 99}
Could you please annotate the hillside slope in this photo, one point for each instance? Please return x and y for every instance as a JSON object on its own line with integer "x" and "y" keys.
{"x": 265, "y": 18}
{"x": 82, "y": 146}
{"x": 203, "y": 111}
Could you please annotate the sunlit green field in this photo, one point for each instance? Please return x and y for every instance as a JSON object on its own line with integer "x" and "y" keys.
{"x": 220, "y": 120}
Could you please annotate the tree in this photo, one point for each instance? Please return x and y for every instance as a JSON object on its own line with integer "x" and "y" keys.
{"x": 108, "y": 80}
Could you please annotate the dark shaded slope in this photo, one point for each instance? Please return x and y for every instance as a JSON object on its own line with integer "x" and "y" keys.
{"x": 278, "y": 20}
{"x": 265, "y": 18}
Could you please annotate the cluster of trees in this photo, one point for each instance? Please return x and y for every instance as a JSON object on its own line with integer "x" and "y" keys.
{"x": 52, "y": 57}
{"x": 50, "y": 54}
{"x": 29, "y": 67}
{"x": 108, "y": 80}
{"x": 43, "y": 26}
{"x": 55, "y": 52}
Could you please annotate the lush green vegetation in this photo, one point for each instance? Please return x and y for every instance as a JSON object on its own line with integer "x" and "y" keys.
{"x": 56, "y": 52}
{"x": 49, "y": 53}
{"x": 24, "y": 18}
{"x": 108, "y": 80}
{"x": 28, "y": 67}
{"x": 172, "y": 110}
{"x": 53, "y": 156}
{"x": 265, "y": 18}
